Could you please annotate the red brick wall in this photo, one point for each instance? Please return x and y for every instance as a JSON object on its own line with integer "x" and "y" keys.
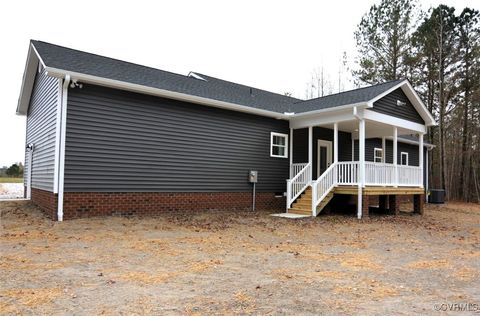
{"x": 47, "y": 201}
{"x": 87, "y": 204}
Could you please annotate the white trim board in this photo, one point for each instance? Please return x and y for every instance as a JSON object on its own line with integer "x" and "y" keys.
{"x": 328, "y": 144}
{"x": 393, "y": 121}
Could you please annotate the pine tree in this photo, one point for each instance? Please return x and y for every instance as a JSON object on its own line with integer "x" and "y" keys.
{"x": 384, "y": 41}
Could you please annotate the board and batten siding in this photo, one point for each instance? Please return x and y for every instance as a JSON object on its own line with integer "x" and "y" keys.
{"x": 388, "y": 105}
{"x": 41, "y": 131}
{"x": 120, "y": 141}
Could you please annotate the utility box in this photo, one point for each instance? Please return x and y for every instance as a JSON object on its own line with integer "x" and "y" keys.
{"x": 253, "y": 176}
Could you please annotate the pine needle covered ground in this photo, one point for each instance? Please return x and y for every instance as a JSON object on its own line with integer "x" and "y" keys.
{"x": 238, "y": 263}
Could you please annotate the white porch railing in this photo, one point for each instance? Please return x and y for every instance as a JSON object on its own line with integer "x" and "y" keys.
{"x": 410, "y": 176}
{"x": 379, "y": 173}
{"x": 295, "y": 168}
{"x": 347, "y": 172}
{"x": 298, "y": 183}
{"x": 376, "y": 174}
{"x": 322, "y": 186}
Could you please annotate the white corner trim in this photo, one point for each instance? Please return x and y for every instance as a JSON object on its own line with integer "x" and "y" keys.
{"x": 58, "y": 124}
{"x": 63, "y": 132}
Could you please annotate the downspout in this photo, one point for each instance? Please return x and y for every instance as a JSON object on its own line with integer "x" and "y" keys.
{"x": 63, "y": 130}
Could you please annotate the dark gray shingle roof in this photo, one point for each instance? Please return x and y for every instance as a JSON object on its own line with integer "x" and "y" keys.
{"x": 343, "y": 98}
{"x": 213, "y": 88}
{"x": 77, "y": 61}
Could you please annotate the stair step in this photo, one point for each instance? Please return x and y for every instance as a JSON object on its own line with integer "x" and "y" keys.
{"x": 299, "y": 211}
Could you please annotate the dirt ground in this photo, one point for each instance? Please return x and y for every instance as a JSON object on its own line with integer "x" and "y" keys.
{"x": 239, "y": 263}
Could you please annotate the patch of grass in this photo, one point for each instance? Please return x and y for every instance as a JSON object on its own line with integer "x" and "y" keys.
{"x": 10, "y": 180}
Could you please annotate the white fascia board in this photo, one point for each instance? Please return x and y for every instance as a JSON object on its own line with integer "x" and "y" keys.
{"x": 419, "y": 105}
{"x": 394, "y": 121}
{"x": 378, "y": 97}
{"x": 28, "y": 80}
{"x": 161, "y": 92}
{"x": 329, "y": 110}
{"x": 322, "y": 119}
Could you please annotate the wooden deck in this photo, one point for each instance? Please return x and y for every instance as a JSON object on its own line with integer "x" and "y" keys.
{"x": 371, "y": 190}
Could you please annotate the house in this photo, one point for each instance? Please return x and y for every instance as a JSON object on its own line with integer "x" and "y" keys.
{"x": 106, "y": 137}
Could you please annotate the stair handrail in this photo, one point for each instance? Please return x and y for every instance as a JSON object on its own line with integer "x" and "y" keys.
{"x": 323, "y": 185}
{"x": 298, "y": 184}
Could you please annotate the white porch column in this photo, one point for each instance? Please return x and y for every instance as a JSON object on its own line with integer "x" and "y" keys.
{"x": 361, "y": 141}
{"x": 291, "y": 152}
{"x": 384, "y": 150}
{"x": 420, "y": 156}
{"x": 361, "y": 158}
{"x": 310, "y": 149}
{"x": 335, "y": 143}
{"x": 353, "y": 148}
{"x": 335, "y": 149}
{"x": 395, "y": 136}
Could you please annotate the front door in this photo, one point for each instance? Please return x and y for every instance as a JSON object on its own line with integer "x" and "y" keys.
{"x": 324, "y": 156}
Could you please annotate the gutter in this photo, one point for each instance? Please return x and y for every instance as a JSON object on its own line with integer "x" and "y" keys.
{"x": 60, "y": 73}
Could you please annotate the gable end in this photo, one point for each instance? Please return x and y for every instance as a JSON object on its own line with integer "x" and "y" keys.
{"x": 398, "y": 105}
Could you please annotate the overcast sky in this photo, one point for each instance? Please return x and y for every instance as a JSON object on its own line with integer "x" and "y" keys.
{"x": 273, "y": 45}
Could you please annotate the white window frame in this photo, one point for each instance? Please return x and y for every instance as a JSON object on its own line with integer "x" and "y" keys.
{"x": 401, "y": 158}
{"x": 375, "y": 157}
{"x": 272, "y": 145}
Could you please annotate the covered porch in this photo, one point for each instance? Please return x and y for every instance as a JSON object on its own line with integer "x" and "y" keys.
{"x": 356, "y": 152}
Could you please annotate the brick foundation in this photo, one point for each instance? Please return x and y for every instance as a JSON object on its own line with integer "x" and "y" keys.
{"x": 365, "y": 206}
{"x": 393, "y": 206}
{"x": 47, "y": 201}
{"x": 88, "y": 204}
{"x": 418, "y": 203}
{"x": 382, "y": 203}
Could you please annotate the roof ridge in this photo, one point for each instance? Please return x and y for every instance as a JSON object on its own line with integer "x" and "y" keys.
{"x": 366, "y": 87}
{"x": 244, "y": 85}
{"x": 116, "y": 59}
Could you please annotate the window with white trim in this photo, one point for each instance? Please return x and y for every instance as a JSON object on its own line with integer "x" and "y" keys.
{"x": 378, "y": 155}
{"x": 404, "y": 158}
{"x": 278, "y": 145}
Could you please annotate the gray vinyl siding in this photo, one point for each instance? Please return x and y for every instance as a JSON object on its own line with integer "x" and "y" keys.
{"x": 41, "y": 131}
{"x": 300, "y": 145}
{"x": 119, "y": 141}
{"x": 388, "y": 105}
{"x": 372, "y": 143}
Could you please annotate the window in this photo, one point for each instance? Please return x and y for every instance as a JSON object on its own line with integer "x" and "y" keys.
{"x": 404, "y": 158}
{"x": 278, "y": 145}
{"x": 378, "y": 155}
